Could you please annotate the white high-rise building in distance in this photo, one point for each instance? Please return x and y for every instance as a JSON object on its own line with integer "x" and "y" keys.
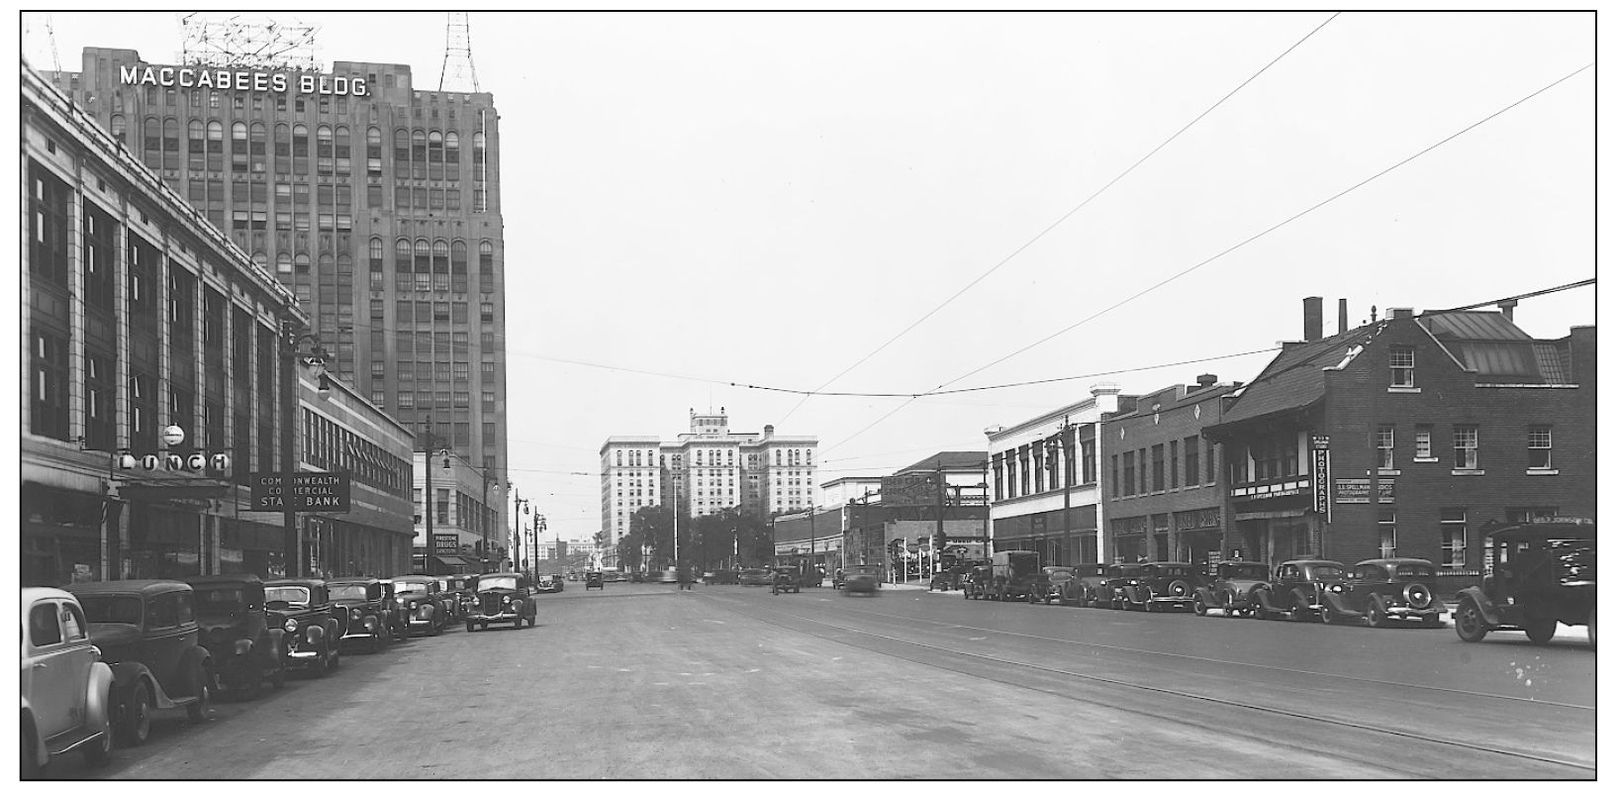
{"x": 707, "y": 469}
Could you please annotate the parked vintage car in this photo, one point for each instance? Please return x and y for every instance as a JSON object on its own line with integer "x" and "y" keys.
{"x": 548, "y": 582}
{"x": 1086, "y": 587}
{"x": 862, "y": 579}
{"x": 1295, "y": 589}
{"x": 66, "y": 689}
{"x": 502, "y": 597}
{"x": 1384, "y": 589}
{"x": 1230, "y": 587}
{"x": 423, "y": 599}
{"x": 720, "y": 576}
{"x": 1115, "y": 578}
{"x": 398, "y": 614}
{"x": 364, "y": 601}
{"x": 594, "y": 580}
{"x": 312, "y": 629}
{"x": 1162, "y": 585}
{"x": 246, "y": 650}
{"x": 146, "y": 630}
{"x": 755, "y": 577}
{"x": 1012, "y": 574}
{"x": 613, "y": 575}
{"x": 1544, "y": 573}
{"x": 1050, "y": 584}
{"x": 976, "y": 582}
{"x": 457, "y": 593}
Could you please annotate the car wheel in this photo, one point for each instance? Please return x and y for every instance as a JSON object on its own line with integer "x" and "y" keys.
{"x": 336, "y": 655}
{"x": 1261, "y": 604}
{"x": 278, "y": 677}
{"x": 136, "y": 724}
{"x": 1540, "y": 631}
{"x": 99, "y": 752}
{"x": 471, "y": 626}
{"x": 483, "y": 626}
{"x": 1302, "y": 611}
{"x": 30, "y": 755}
{"x": 1470, "y": 625}
{"x": 1376, "y": 617}
{"x": 202, "y": 682}
{"x": 1200, "y": 608}
{"x": 318, "y": 666}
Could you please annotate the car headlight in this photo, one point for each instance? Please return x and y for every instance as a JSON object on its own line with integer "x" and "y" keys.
{"x": 354, "y": 614}
{"x": 290, "y": 626}
{"x": 1335, "y": 588}
{"x": 316, "y": 633}
{"x": 243, "y": 646}
{"x": 413, "y": 605}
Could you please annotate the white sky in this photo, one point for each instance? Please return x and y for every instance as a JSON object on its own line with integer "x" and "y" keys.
{"x": 766, "y": 199}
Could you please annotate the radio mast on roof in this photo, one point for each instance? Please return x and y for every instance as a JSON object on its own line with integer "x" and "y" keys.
{"x": 235, "y": 42}
{"x": 458, "y": 70}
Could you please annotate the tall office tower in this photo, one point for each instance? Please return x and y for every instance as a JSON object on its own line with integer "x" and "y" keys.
{"x": 376, "y": 203}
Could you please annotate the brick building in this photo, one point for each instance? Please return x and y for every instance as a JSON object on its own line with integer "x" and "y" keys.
{"x": 1432, "y": 431}
{"x": 1164, "y": 499}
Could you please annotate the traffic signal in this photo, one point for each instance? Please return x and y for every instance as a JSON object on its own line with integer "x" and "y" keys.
{"x": 938, "y": 542}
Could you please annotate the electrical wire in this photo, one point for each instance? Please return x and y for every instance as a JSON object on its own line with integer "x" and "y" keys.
{"x": 1063, "y": 218}
{"x": 1250, "y": 239}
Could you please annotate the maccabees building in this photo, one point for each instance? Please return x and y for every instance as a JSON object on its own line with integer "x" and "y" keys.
{"x": 375, "y": 203}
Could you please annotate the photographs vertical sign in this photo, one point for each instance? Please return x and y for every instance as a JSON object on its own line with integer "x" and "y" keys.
{"x": 1320, "y": 475}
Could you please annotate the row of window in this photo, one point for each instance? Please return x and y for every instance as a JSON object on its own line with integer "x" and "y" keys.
{"x": 1037, "y": 467}
{"x": 794, "y": 457}
{"x": 1464, "y": 442}
{"x": 214, "y": 99}
{"x": 333, "y": 448}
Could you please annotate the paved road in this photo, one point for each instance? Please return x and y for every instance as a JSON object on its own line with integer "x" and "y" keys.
{"x": 645, "y": 682}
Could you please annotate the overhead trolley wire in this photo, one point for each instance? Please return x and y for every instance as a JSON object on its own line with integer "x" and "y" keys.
{"x": 1063, "y": 218}
{"x": 1251, "y": 238}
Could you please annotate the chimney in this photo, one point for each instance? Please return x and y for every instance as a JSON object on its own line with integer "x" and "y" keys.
{"x": 1506, "y": 307}
{"x": 770, "y": 431}
{"x": 1107, "y": 396}
{"x": 1401, "y": 313}
{"x": 1343, "y": 316}
{"x": 1206, "y": 380}
{"x": 1312, "y": 318}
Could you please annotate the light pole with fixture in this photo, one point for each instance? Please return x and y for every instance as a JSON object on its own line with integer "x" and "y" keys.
{"x": 294, "y": 353}
{"x": 427, "y": 494}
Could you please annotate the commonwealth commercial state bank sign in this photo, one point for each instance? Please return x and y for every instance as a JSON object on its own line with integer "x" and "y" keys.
{"x": 256, "y": 81}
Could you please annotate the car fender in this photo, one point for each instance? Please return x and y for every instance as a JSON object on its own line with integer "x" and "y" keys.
{"x": 1339, "y": 606}
{"x": 196, "y": 657}
{"x": 98, "y": 698}
{"x": 1206, "y": 595}
{"x": 1492, "y": 615}
{"x": 126, "y": 674}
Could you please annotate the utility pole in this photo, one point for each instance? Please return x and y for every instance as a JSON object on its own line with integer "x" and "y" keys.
{"x": 938, "y": 528}
{"x": 427, "y": 496}
{"x": 1065, "y": 444}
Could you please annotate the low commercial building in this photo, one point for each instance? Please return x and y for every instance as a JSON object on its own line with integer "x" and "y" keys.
{"x": 1412, "y": 436}
{"x": 1044, "y": 481}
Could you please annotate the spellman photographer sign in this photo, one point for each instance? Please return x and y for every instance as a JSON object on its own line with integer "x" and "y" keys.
{"x": 323, "y": 492}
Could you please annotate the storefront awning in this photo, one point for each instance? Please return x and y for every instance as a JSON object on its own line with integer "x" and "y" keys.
{"x": 453, "y": 561}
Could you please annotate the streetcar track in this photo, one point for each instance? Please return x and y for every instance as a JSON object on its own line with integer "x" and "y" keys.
{"x": 1205, "y": 659}
{"x": 1239, "y": 705}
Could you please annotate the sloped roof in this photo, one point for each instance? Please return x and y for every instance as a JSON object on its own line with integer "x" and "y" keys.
{"x": 1488, "y": 343}
{"x": 1553, "y": 362}
{"x": 949, "y": 459}
{"x": 1473, "y": 326}
{"x": 1293, "y": 379}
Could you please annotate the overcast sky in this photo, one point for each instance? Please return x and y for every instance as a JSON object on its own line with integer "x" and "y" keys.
{"x": 767, "y": 199}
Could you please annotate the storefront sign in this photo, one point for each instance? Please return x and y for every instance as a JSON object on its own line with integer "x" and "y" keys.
{"x": 446, "y": 542}
{"x": 326, "y": 492}
{"x": 1320, "y": 476}
{"x": 176, "y": 462}
{"x": 1357, "y": 491}
{"x": 258, "y": 81}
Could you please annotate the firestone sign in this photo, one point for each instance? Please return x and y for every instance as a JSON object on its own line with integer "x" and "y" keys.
{"x": 258, "y": 81}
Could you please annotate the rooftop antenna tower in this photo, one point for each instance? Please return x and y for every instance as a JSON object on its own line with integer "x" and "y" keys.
{"x": 458, "y": 72}
{"x": 237, "y": 42}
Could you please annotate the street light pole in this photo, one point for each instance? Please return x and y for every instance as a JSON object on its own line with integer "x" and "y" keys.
{"x": 518, "y": 503}
{"x": 315, "y": 357}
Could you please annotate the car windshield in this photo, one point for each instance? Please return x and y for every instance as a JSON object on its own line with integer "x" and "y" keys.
{"x": 220, "y": 599}
{"x": 1413, "y": 572}
{"x": 1130, "y": 570}
{"x": 410, "y": 586}
{"x": 497, "y": 582}
{"x": 864, "y": 570}
{"x": 1256, "y": 572}
{"x": 347, "y": 591}
{"x": 1174, "y": 570}
{"x": 112, "y": 609}
{"x": 1327, "y": 572}
{"x": 296, "y": 596}
{"x": 1061, "y": 575}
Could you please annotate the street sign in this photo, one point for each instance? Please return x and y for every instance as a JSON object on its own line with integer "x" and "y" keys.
{"x": 322, "y": 492}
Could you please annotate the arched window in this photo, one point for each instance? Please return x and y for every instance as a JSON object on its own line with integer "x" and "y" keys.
{"x": 196, "y": 146}
{"x": 216, "y": 146}
{"x": 171, "y": 143}
{"x": 418, "y": 154}
{"x": 373, "y": 151}
{"x": 283, "y": 148}
{"x": 323, "y": 150}
{"x": 422, "y": 264}
{"x": 342, "y": 153}
{"x": 486, "y": 266}
{"x": 374, "y": 249}
{"x": 441, "y": 266}
{"x": 401, "y": 153}
{"x": 300, "y": 149}
{"x": 283, "y": 264}
{"x": 152, "y": 144}
{"x": 255, "y": 148}
{"x": 238, "y": 147}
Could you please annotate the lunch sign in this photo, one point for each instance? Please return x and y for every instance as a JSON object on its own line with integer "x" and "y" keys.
{"x": 314, "y": 492}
